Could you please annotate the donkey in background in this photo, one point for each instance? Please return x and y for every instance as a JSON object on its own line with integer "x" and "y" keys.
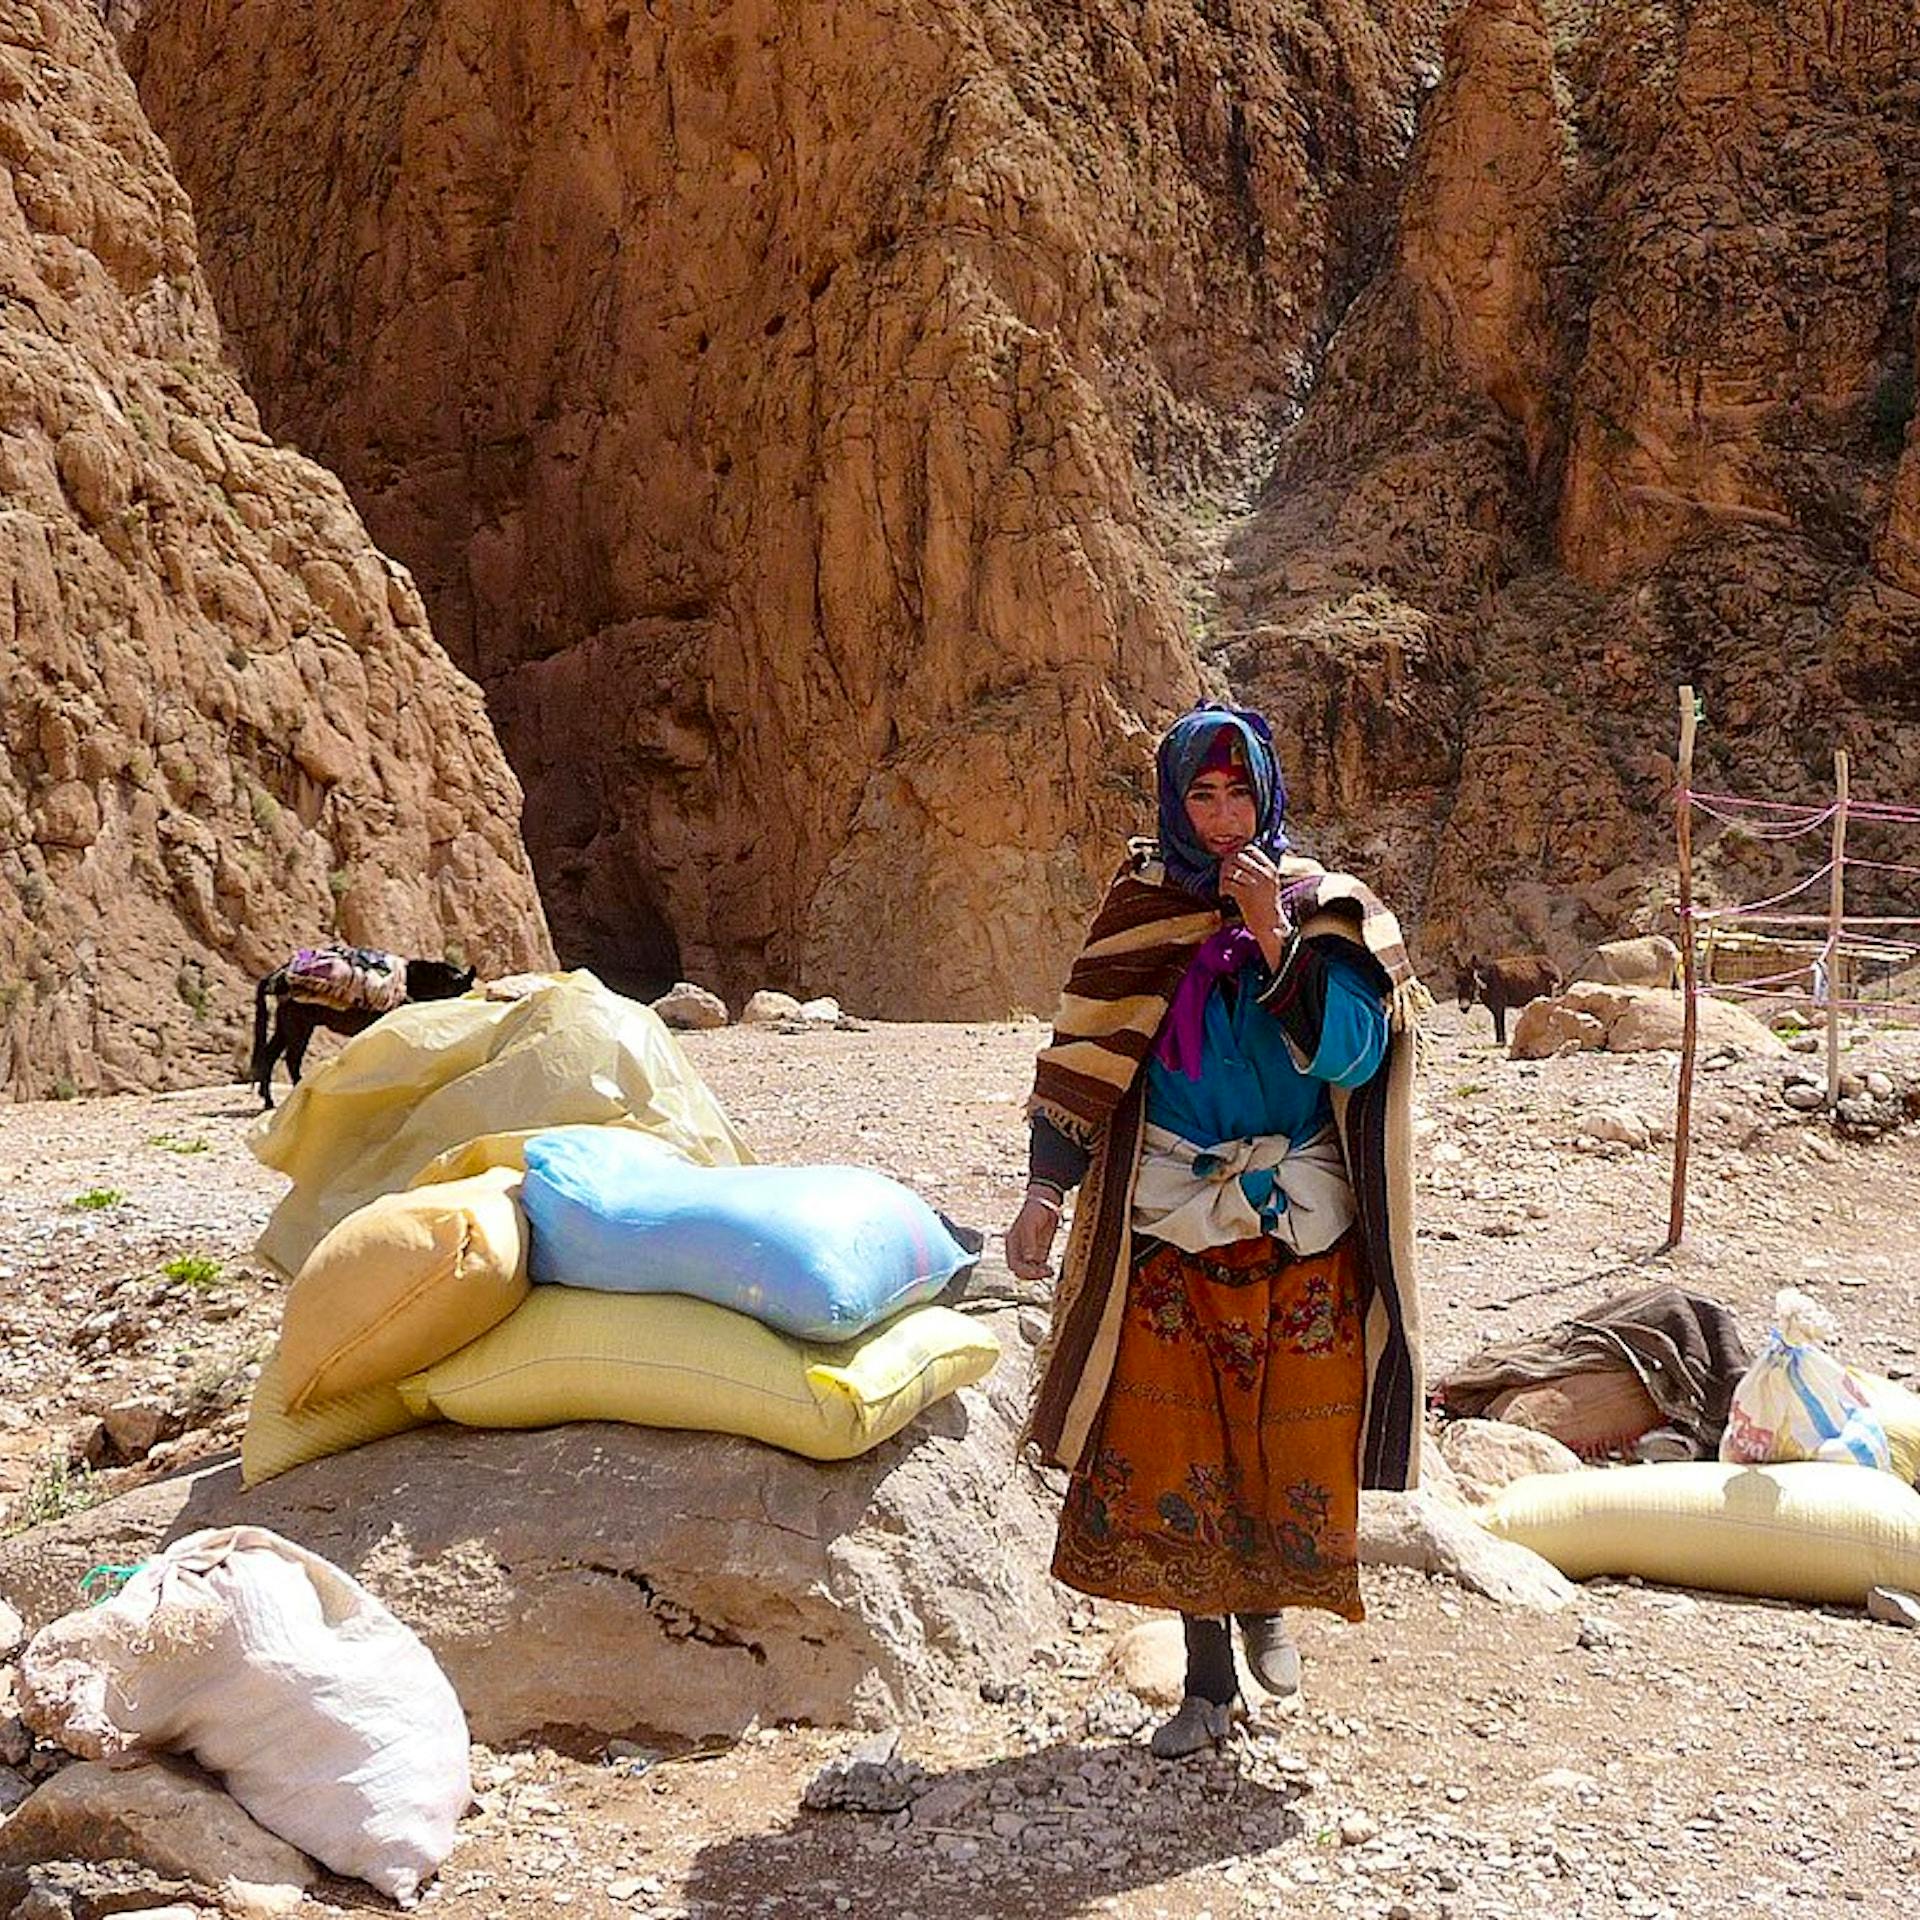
{"x": 1505, "y": 985}
{"x": 345, "y": 990}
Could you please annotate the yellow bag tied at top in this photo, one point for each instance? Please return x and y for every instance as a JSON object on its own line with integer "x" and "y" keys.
{"x": 403, "y": 1282}
{"x": 665, "y": 1360}
{"x": 428, "y": 1078}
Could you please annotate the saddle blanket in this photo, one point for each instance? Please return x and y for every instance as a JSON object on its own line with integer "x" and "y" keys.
{"x": 349, "y": 979}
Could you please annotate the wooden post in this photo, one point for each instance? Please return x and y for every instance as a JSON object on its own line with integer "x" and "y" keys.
{"x": 1690, "y": 1019}
{"x": 1836, "y": 913}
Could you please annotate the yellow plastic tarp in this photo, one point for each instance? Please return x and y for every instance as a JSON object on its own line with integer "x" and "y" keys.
{"x": 428, "y": 1078}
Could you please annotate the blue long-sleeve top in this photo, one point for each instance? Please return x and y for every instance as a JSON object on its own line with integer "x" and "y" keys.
{"x": 1249, "y": 1084}
{"x": 1332, "y": 1009}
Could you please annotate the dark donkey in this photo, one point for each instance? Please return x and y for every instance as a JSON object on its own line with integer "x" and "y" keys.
{"x": 1510, "y": 981}
{"x": 345, "y": 990}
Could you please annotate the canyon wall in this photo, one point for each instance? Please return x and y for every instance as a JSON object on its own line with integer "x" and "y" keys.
{"x": 1628, "y": 405}
{"x": 794, "y": 415}
{"x": 225, "y": 728}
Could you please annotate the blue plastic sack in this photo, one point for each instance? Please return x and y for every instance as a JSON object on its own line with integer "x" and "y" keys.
{"x": 820, "y": 1253}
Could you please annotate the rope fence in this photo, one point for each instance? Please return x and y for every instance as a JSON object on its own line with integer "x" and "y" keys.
{"x": 1834, "y": 947}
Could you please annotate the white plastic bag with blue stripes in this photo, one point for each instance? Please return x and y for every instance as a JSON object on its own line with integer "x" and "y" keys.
{"x": 1797, "y": 1402}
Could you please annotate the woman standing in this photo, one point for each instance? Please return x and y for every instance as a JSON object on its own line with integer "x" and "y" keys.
{"x": 1235, "y": 1341}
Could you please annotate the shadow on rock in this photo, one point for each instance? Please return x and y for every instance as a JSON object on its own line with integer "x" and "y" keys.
{"x": 1036, "y": 1834}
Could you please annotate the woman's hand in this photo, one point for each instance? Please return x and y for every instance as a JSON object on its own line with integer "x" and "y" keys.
{"x": 1253, "y": 881}
{"x": 1030, "y": 1239}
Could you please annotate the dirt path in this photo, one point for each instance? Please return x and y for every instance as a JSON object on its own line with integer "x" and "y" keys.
{"x": 1651, "y": 1753}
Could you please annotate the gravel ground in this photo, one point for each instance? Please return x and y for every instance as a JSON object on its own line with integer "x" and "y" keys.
{"x": 1651, "y": 1753}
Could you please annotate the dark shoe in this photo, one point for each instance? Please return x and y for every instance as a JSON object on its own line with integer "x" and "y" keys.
{"x": 1198, "y": 1725}
{"x": 1272, "y": 1658}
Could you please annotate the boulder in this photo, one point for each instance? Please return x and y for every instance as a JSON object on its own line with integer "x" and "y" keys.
{"x": 1654, "y": 1022}
{"x": 134, "y": 1427}
{"x": 768, "y": 1006}
{"x": 13, "y": 1632}
{"x": 691, "y": 1008}
{"x": 1486, "y": 1455}
{"x": 1633, "y": 1020}
{"x": 1546, "y": 1028}
{"x": 1150, "y": 1662}
{"x": 86, "y": 1890}
{"x": 823, "y": 1012}
{"x": 167, "y": 1815}
{"x": 1415, "y": 1530}
{"x": 629, "y": 1581}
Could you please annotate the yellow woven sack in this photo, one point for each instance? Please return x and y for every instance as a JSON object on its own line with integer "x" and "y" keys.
{"x": 1811, "y": 1530}
{"x": 664, "y": 1360}
{"x": 276, "y": 1440}
{"x": 402, "y": 1283}
{"x": 1899, "y": 1411}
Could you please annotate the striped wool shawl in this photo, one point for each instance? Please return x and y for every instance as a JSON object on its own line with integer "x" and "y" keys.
{"x": 1087, "y": 1083}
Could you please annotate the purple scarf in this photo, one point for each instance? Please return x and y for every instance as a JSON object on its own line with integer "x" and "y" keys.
{"x": 1220, "y": 957}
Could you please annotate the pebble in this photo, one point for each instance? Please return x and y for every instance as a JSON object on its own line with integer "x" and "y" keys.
{"x": 1893, "y": 1607}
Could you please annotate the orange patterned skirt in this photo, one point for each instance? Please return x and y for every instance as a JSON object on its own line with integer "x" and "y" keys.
{"x": 1222, "y": 1474}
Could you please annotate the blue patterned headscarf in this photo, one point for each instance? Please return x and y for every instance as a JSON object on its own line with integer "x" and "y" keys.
{"x": 1182, "y": 753}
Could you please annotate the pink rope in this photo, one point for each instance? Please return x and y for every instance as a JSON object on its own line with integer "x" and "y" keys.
{"x": 1889, "y": 812}
{"x": 1820, "y": 919}
{"x": 1778, "y": 830}
{"x": 1845, "y": 1006}
{"x": 1760, "y": 806}
{"x": 1757, "y": 906}
{"x": 1880, "y": 866}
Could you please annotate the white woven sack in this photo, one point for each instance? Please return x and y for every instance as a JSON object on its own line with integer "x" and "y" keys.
{"x": 324, "y": 1715}
{"x": 1797, "y": 1402}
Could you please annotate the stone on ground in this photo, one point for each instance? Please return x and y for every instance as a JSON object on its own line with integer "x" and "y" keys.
{"x": 1414, "y": 1530}
{"x": 1546, "y": 1028}
{"x": 1486, "y": 1455}
{"x": 768, "y": 1006}
{"x": 166, "y": 1815}
{"x": 690, "y": 1008}
{"x": 1632, "y": 1020}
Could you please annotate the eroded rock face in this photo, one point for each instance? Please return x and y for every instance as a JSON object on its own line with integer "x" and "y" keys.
{"x": 780, "y": 406}
{"x": 226, "y": 728}
{"x": 1625, "y": 408}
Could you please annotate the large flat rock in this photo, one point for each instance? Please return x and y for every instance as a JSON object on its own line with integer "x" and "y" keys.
{"x": 625, "y": 1580}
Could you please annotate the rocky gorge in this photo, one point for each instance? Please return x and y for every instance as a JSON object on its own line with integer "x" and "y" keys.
{"x": 1451, "y": 380}
{"x": 830, "y": 493}
{"x": 225, "y": 725}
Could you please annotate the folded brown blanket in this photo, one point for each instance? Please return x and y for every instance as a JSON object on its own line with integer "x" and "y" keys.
{"x": 1684, "y": 1348}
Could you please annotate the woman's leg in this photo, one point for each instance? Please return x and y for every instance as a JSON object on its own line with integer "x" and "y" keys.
{"x": 1210, "y": 1672}
{"x": 1205, "y": 1717}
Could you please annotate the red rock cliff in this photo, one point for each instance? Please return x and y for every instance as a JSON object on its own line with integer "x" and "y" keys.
{"x": 784, "y": 410}
{"x": 1625, "y": 407}
{"x": 224, "y": 726}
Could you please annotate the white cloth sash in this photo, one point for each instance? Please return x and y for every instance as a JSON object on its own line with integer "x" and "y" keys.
{"x": 1191, "y": 1196}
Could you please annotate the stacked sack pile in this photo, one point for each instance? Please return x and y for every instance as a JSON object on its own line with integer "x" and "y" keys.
{"x": 604, "y": 1251}
{"x": 1813, "y": 1497}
